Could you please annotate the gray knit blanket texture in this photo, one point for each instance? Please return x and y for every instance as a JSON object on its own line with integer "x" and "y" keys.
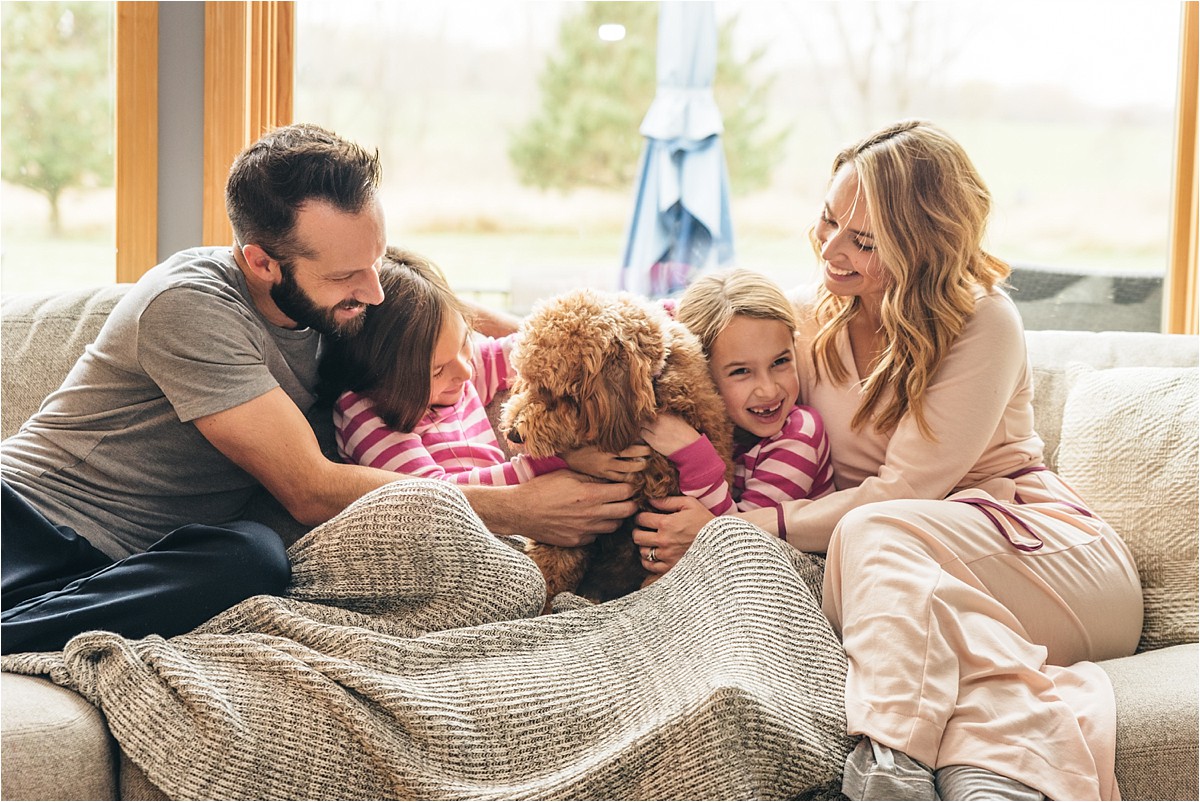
{"x": 408, "y": 660}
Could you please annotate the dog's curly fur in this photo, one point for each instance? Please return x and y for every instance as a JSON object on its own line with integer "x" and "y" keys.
{"x": 593, "y": 369}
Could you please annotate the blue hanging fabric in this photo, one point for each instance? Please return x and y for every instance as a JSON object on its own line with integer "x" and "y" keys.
{"x": 681, "y": 223}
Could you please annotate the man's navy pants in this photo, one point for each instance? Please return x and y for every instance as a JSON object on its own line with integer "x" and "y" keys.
{"x": 56, "y": 584}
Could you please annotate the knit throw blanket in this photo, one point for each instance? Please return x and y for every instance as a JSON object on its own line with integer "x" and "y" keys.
{"x": 408, "y": 660}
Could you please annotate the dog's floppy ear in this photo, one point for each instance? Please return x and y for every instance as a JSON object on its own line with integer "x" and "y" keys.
{"x": 591, "y": 355}
{"x": 645, "y": 342}
{"x": 617, "y": 397}
{"x": 612, "y": 407}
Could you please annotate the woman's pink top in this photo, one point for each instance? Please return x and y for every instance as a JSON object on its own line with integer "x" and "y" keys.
{"x": 979, "y": 406}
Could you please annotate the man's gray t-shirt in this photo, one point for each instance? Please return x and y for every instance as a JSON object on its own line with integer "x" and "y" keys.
{"x": 113, "y": 453}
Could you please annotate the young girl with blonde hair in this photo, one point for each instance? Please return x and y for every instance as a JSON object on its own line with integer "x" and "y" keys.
{"x": 747, "y": 329}
{"x": 971, "y": 586}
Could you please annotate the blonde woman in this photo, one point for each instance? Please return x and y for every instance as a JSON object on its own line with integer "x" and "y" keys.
{"x": 971, "y": 586}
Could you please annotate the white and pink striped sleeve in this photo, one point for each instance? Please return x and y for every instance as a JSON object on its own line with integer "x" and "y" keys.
{"x": 490, "y": 360}
{"x": 702, "y": 475}
{"x": 364, "y": 439}
{"x": 459, "y": 448}
{"x": 794, "y": 464}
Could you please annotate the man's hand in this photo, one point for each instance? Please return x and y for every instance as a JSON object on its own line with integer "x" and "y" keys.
{"x": 610, "y": 467}
{"x": 667, "y": 535}
{"x": 271, "y": 440}
{"x": 560, "y": 508}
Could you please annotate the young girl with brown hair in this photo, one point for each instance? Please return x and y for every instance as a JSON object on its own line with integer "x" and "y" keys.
{"x": 412, "y": 388}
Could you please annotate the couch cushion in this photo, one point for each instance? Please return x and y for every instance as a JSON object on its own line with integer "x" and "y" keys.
{"x": 1050, "y": 352}
{"x": 1129, "y": 447}
{"x": 1157, "y": 722}
{"x": 41, "y": 337}
{"x": 55, "y": 745}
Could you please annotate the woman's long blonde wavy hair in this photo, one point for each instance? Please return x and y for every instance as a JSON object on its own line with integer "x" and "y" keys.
{"x": 928, "y": 209}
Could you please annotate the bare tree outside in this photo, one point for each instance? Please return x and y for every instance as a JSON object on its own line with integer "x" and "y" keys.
{"x": 874, "y": 61}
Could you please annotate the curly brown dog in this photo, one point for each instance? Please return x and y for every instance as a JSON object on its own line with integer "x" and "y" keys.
{"x": 593, "y": 369}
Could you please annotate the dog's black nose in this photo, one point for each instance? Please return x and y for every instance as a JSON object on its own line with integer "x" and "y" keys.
{"x": 515, "y": 437}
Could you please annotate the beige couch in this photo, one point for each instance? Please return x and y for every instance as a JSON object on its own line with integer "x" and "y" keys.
{"x": 1118, "y": 412}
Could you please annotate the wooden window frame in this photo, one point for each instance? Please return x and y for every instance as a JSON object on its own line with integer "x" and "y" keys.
{"x": 248, "y": 58}
{"x": 136, "y": 168}
{"x": 1183, "y": 271}
{"x": 248, "y": 55}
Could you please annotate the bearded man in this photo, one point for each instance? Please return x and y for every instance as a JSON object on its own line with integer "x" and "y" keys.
{"x": 124, "y": 496}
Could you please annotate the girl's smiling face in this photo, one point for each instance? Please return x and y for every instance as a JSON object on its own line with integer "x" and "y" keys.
{"x": 753, "y": 362}
{"x": 451, "y": 366}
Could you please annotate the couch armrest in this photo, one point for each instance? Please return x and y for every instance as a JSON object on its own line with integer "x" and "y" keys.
{"x": 1157, "y": 721}
{"x": 55, "y": 744}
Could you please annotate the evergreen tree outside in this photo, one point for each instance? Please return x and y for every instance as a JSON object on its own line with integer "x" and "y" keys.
{"x": 594, "y": 95}
{"x": 57, "y": 115}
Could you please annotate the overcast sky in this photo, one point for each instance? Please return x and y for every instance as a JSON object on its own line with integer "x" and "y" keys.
{"x": 1110, "y": 52}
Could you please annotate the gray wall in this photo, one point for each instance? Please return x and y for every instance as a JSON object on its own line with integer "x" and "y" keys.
{"x": 180, "y": 126}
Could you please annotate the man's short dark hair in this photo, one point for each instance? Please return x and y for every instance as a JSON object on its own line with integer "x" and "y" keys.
{"x": 287, "y": 167}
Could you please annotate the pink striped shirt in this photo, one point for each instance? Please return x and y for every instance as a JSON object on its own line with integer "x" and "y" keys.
{"x": 794, "y": 463}
{"x": 455, "y": 443}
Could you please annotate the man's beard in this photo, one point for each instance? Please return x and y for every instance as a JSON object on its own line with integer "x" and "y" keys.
{"x": 295, "y": 303}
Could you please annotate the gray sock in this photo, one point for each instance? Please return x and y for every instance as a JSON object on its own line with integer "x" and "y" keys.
{"x": 877, "y": 772}
{"x": 972, "y": 782}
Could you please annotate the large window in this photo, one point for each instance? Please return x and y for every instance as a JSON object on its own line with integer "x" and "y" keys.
{"x": 1068, "y": 110}
{"x": 508, "y": 128}
{"x": 58, "y": 199}
{"x": 225, "y": 76}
